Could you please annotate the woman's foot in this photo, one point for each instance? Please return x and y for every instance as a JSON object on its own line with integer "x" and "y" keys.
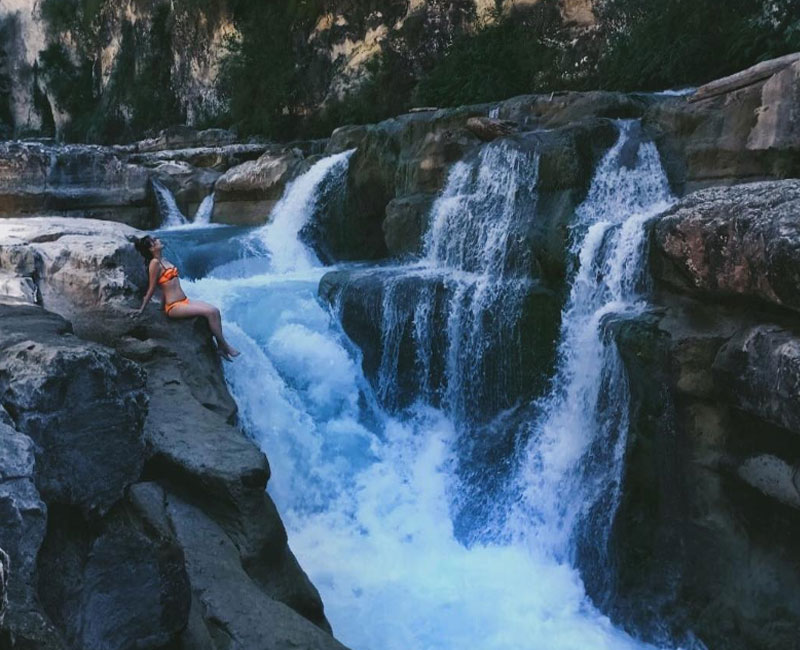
{"x": 228, "y": 352}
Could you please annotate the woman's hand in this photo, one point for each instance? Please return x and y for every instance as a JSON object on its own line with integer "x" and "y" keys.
{"x": 136, "y": 313}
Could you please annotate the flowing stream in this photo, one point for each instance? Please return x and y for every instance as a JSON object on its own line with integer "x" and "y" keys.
{"x": 412, "y": 535}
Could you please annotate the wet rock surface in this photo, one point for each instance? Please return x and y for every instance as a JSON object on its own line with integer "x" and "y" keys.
{"x": 113, "y": 430}
{"x": 706, "y": 528}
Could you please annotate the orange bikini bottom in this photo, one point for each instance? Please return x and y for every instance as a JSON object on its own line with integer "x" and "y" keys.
{"x": 168, "y": 307}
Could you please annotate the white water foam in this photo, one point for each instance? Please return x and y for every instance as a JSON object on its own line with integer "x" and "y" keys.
{"x": 367, "y": 497}
{"x": 292, "y": 212}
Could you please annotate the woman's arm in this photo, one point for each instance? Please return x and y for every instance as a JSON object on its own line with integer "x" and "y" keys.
{"x": 151, "y": 285}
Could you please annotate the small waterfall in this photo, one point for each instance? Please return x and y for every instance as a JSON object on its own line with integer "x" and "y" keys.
{"x": 569, "y": 473}
{"x": 171, "y": 215}
{"x": 204, "y": 211}
{"x": 300, "y": 199}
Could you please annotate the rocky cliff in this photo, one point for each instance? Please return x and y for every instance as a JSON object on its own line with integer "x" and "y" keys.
{"x": 704, "y": 536}
{"x": 118, "y": 47}
{"x": 135, "y": 511}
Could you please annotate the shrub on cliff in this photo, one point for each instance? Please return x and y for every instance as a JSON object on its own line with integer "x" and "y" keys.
{"x": 511, "y": 57}
{"x": 689, "y": 42}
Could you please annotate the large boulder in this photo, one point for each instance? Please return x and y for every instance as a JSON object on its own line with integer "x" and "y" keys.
{"x": 738, "y": 242}
{"x": 70, "y": 266}
{"x": 81, "y": 403}
{"x": 246, "y": 194}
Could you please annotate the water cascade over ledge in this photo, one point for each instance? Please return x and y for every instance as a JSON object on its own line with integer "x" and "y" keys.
{"x": 390, "y": 506}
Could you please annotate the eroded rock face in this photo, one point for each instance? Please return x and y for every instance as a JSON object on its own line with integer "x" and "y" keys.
{"x": 742, "y": 241}
{"x": 73, "y": 180}
{"x": 706, "y": 527}
{"x": 705, "y": 532}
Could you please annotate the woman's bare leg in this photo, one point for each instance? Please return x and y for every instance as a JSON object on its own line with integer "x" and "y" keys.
{"x": 212, "y": 315}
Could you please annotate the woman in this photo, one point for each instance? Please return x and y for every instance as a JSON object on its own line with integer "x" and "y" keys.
{"x": 176, "y": 304}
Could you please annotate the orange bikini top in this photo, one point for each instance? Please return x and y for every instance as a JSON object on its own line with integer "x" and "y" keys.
{"x": 168, "y": 274}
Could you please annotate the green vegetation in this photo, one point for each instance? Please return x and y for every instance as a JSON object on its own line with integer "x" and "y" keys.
{"x": 505, "y": 58}
{"x": 689, "y": 42}
{"x": 275, "y": 85}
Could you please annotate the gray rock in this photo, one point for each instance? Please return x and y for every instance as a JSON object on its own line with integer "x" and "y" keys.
{"x": 406, "y": 223}
{"x": 76, "y": 265}
{"x": 758, "y": 371}
{"x": 742, "y": 241}
{"x": 3, "y": 584}
{"x": 238, "y": 615}
{"x": 210, "y": 158}
{"x": 774, "y": 477}
{"x": 114, "y": 585}
{"x": 73, "y": 180}
{"x": 23, "y": 517}
{"x": 82, "y": 404}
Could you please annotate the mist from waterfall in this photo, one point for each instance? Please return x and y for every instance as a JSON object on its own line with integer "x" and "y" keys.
{"x": 370, "y": 488}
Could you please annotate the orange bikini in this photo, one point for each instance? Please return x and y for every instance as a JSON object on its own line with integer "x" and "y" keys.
{"x": 170, "y": 274}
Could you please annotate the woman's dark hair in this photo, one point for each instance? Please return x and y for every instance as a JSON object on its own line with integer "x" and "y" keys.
{"x": 143, "y": 245}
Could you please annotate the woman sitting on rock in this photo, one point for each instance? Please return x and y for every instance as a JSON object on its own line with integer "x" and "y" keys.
{"x": 176, "y": 305}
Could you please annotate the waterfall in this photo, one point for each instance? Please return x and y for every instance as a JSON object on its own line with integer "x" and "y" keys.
{"x": 371, "y": 493}
{"x": 569, "y": 473}
{"x": 299, "y": 201}
{"x": 204, "y": 211}
{"x": 171, "y": 215}
{"x": 475, "y": 253}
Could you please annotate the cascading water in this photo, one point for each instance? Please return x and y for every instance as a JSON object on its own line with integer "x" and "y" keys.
{"x": 171, "y": 215}
{"x": 569, "y": 473}
{"x": 204, "y": 211}
{"x": 368, "y": 496}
